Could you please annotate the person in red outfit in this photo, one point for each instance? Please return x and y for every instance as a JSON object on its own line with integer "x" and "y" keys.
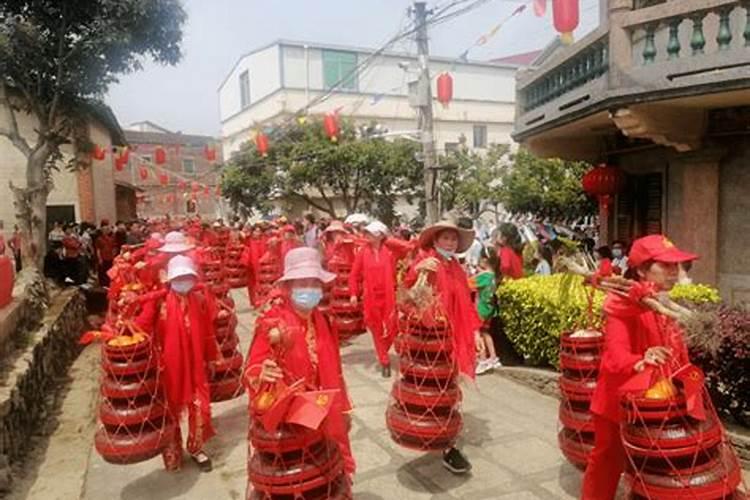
{"x": 294, "y": 342}
{"x": 635, "y": 337}
{"x": 509, "y": 253}
{"x": 182, "y": 322}
{"x": 289, "y": 240}
{"x": 441, "y": 243}
{"x": 375, "y": 268}
{"x": 106, "y": 251}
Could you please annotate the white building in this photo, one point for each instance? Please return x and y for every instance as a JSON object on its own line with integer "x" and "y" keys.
{"x": 275, "y": 81}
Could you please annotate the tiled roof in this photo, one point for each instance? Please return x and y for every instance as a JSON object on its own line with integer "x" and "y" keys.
{"x": 137, "y": 137}
{"x": 524, "y": 59}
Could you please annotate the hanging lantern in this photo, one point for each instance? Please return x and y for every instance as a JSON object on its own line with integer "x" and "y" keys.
{"x": 163, "y": 179}
{"x": 99, "y": 153}
{"x": 124, "y": 155}
{"x": 195, "y": 186}
{"x": 603, "y": 182}
{"x": 143, "y": 172}
{"x": 445, "y": 89}
{"x": 210, "y": 153}
{"x": 331, "y": 126}
{"x": 261, "y": 143}
{"x": 160, "y": 156}
{"x": 119, "y": 164}
{"x": 565, "y": 15}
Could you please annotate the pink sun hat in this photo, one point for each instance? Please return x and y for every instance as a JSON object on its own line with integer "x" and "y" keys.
{"x": 176, "y": 242}
{"x": 303, "y": 263}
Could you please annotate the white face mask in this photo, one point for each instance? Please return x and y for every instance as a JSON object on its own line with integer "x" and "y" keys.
{"x": 182, "y": 287}
{"x": 446, "y": 254}
{"x": 616, "y": 253}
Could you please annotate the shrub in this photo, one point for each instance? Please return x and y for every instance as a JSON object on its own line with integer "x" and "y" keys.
{"x": 695, "y": 294}
{"x": 718, "y": 339}
{"x": 537, "y": 309}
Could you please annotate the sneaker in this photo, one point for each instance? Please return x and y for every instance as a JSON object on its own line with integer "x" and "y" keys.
{"x": 386, "y": 371}
{"x": 483, "y": 366}
{"x": 495, "y": 363}
{"x": 455, "y": 461}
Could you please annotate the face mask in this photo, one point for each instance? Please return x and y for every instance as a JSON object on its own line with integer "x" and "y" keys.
{"x": 616, "y": 253}
{"x": 182, "y": 287}
{"x": 446, "y": 254}
{"x": 306, "y": 299}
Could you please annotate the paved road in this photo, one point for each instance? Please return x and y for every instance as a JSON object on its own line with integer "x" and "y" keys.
{"x": 509, "y": 436}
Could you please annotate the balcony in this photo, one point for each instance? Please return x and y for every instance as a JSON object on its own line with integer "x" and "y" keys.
{"x": 655, "y": 63}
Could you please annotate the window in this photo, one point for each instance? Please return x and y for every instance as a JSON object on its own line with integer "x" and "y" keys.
{"x": 452, "y": 147}
{"x": 145, "y": 159}
{"x": 244, "y": 89}
{"x": 338, "y": 65}
{"x": 188, "y": 165}
{"x": 480, "y": 136}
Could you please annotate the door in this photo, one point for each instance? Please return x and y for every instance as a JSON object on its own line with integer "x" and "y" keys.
{"x": 60, "y": 213}
{"x": 640, "y": 207}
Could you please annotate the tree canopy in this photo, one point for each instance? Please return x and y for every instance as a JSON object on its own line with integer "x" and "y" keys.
{"x": 347, "y": 175}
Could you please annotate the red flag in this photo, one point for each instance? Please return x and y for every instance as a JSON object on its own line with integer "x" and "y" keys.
{"x": 283, "y": 396}
{"x": 691, "y": 377}
{"x": 309, "y": 409}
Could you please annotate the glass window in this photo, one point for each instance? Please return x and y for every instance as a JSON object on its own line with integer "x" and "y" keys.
{"x": 188, "y": 165}
{"x": 337, "y": 66}
{"x": 244, "y": 89}
{"x": 480, "y": 136}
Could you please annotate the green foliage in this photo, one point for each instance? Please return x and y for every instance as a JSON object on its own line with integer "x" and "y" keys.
{"x": 303, "y": 163}
{"x": 544, "y": 187}
{"x": 469, "y": 180}
{"x": 695, "y": 294}
{"x": 535, "y": 313}
{"x": 537, "y": 309}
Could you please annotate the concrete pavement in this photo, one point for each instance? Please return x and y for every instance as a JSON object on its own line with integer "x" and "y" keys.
{"x": 509, "y": 436}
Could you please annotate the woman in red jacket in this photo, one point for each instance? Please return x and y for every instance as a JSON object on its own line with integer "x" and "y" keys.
{"x": 375, "y": 268}
{"x": 509, "y": 253}
{"x": 635, "y": 337}
{"x": 441, "y": 243}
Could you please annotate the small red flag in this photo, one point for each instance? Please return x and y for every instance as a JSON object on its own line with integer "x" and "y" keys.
{"x": 276, "y": 413}
{"x": 691, "y": 377}
{"x": 309, "y": 409}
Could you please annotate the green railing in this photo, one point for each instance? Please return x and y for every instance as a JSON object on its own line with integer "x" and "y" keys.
{"x": 587, "y": 65}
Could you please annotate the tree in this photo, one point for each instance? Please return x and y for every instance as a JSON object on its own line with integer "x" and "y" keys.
{"x": 303, "y": 163}
{"x": 56, "y": 59}
{"x": 469, "y": 180}
{"x": 545, "y": 187}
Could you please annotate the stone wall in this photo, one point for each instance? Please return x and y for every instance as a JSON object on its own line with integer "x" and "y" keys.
{"x": 31, "y": 373}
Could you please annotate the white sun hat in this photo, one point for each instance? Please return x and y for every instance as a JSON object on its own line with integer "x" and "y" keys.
{"x": 175, "y": 242}
{"x": 180, "y": 266}
{"x": 376, "y": 228}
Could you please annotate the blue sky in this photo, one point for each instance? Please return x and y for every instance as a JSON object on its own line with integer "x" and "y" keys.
{"x": 219, "y": 31}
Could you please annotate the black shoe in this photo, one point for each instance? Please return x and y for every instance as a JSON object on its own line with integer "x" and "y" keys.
{"x": 203, "y": 461}
{"x": 455, "y": 461}
{"x": 386, "y": 371}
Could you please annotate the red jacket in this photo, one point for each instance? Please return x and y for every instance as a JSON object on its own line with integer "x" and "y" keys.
{"x": 452, "y": 286}
{"x": 630, "y": 329}
{"x": 511, "y": 264}
{"x": 309, "y": 355}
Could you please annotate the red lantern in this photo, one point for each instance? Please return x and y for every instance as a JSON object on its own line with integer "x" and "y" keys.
{"x": 119, "y": 164}
{"x": 163, "y": 179}
{"x": 603, "y": 182}
{"x": 124, "y": 156}
{"x": 195, "y": 187}
{"x": 331, "y": 126}
{"x": 445, "y": 89}
{"x": 565, "y": 16}
{"x": 261, "y": 142}
{"x": 210, "y": 153}
{"x": 99, "y": 153}
{"x": 160, "y": 156}
{"x": 143, "y": 173}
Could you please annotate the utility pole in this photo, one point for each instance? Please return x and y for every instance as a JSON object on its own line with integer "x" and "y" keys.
{"x": 424, "y": 115}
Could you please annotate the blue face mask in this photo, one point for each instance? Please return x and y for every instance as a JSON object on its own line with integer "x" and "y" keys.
{"x": 446, "y": 254}
{"x": 182, "y": 287}
{"x": 306, "y": 299}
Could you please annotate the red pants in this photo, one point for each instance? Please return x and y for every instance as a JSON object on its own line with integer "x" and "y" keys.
{"x": 376, "y": 320}
{"x": 606, "y": 462}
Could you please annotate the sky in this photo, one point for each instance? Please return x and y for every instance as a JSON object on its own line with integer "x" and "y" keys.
{"x": 184, "y": 97}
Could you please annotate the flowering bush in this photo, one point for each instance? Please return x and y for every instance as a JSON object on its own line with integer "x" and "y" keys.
{"x": 718, "y": 338}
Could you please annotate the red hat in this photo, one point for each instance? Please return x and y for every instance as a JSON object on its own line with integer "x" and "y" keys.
{"x": 659, "y": 248}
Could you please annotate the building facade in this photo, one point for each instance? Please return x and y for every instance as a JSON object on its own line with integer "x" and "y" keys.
{"x": 185, "y": 184}
{"x": 86, "y": 194}
{"x": 277, "y": 80}
{"x": 661, "y": 90}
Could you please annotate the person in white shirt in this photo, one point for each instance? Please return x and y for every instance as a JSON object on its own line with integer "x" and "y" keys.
{"x": 544, "y": 261}
{"x": 619, "y": 257}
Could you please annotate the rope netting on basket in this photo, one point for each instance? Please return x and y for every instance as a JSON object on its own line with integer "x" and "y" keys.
{"x": 425, "y": 407}
{"x": 269, "y": 270}
{"x": 294, "y": 463}
{"x": 134, "y": 421}
{"x": 580, "y": 356}
{"x": 346, "y": 318}
{"x": 236, "y": 272}
{"x": 672, "y": 455}
{"x": 226, "y": 372}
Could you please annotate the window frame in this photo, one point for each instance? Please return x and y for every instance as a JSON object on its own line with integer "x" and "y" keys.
{"x": 481, "y": 144}
{"x": 184, "y": 170}
{"x": 330, "y": 57}
{"x": 245, "y": 96}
